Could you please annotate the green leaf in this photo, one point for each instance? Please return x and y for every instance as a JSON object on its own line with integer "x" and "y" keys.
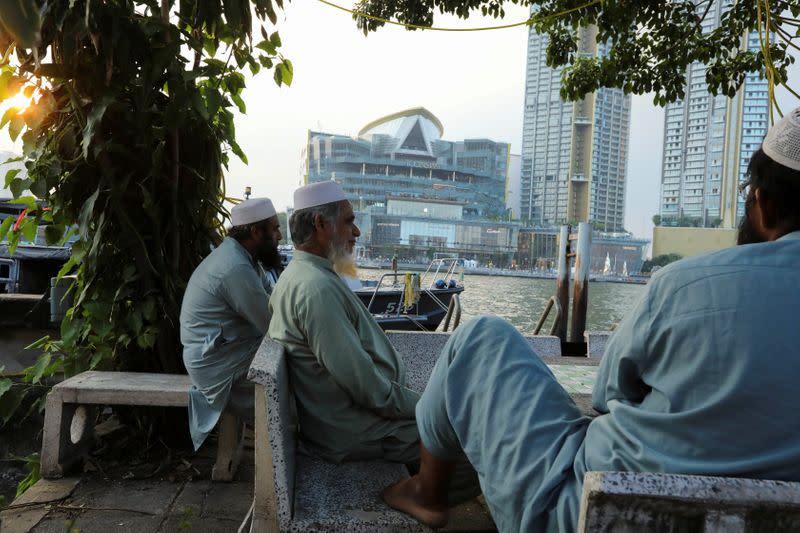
{"x": 10, "y": 175}
{"x": 86, "y": 213}
{"x": 53, "y": 233}
{"x": 28, "y": 229}
{"x": 10, "y": 113}
{"x": 236, "y": 149}
{"x": 275, "y": 40}
{"x": 70, "y": 331}
{"x": 21, "y": 19}
{"x": 148, "y": 337}
{"x": 27, "y": 201}
{"x": 15, "y": 127}
{"x": 34, "y": 374}
{"x": 267, "y": 47}
{"x": 286, "y": 72}
{"x": 5, "y": 386}
{"x": 17, "y": 186}
{"x": 92, "y": 122}
{"x": 5, "y": 226}
{"x": 149, "y": 309}
{"x": 199, "y": 104}
{"x": 239, "y": 103}
{"x": 10, "y": 401}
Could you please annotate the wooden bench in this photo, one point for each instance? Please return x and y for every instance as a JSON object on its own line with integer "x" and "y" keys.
{"x": 69, "y": 418}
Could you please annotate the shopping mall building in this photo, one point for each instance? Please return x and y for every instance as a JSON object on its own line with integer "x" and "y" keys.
{"x": 415, "y": 194}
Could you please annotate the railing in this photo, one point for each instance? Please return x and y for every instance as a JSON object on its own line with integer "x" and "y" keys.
{"x": 8, "y": 275}
{"x": 441, "y": 269}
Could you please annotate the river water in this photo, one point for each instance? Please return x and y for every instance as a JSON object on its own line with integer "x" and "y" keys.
{"x": 522, "y": 300}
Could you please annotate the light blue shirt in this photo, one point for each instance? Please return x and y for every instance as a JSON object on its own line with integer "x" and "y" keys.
{"x": 702, "y": 375}
{"x": 224, "y": 316}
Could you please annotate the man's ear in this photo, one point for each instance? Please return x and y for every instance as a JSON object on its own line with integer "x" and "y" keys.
{"x": 767, "y": 211}
{"x": 319, "y": 221}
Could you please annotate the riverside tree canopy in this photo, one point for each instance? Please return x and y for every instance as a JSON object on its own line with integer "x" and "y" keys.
{"x": 651, "y": 42}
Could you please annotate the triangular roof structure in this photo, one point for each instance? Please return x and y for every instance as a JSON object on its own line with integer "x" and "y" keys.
{"x": 414, "y": 131}
{"x": 415, "y": 140}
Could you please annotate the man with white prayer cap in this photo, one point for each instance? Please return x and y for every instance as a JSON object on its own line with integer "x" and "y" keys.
{"x": 698, "y": 379}
{"x": 225, "y": 315}
{"x": 348, "y": 380}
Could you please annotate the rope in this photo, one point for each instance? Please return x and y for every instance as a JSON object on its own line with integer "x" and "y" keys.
{"x": 527, "y": 22}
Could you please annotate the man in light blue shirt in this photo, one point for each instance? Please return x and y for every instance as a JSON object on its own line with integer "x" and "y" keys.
{"x": 698, "y": 379}
{"x": 225, "y": 315}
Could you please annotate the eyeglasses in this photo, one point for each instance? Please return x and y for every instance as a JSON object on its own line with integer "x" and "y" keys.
{"x": 744, "y": 190}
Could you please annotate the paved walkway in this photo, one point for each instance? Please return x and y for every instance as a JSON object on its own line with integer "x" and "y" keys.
{"x": 184, "y": 498}
{"x": 93, "y": 503}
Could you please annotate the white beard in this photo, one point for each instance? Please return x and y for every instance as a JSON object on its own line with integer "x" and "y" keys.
{"x": 344, "y": 261}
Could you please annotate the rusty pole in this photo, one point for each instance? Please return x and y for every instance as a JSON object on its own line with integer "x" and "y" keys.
{"x": 562, "y": 282}
{"x": 580, "y": 296}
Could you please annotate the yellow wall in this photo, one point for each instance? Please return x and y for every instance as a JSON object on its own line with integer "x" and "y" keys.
{"x": 691, "y": 241}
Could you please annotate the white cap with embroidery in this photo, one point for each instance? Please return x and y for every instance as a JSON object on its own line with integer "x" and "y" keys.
{"x": 320, "y": 193}
{"x": 782, "y": 142}
{"x": 252, "y": 210}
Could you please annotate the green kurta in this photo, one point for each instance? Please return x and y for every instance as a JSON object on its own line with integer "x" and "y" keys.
{"x": 348, "y": 380}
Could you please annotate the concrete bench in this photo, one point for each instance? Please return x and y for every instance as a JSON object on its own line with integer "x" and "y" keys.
{"x": 617, "y": 502}
{"x": 596, "y": 343}
{"x": 69, "y": 418}
{"x": 294, "y": 492}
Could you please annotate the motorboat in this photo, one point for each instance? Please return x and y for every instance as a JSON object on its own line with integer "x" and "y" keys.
{"x": 414, "y": 301}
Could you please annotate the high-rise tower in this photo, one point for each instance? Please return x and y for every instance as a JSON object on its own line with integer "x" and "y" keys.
{"x": 708, "y": 141}
{"x": 574, "y": 155}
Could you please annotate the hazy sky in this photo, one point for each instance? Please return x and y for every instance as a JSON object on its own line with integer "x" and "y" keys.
{"x": 474, "y": 83}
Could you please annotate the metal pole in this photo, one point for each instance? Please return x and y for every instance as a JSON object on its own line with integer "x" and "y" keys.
{"x": 562, "y": 281}
{"x": 580, "y": 297}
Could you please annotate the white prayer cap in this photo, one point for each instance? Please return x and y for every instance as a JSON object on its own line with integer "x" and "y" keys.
{"x": 320, "y": 193}
{"x": 782, "y": 142}
{"x": 252, "y": 210}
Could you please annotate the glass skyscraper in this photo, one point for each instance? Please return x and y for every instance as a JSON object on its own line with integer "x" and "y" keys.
{"x": 574, "y": 155}
{"x": 708, "y": 141}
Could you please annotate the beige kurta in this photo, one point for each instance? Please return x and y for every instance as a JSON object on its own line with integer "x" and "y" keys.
{"x": 348, "y": 380}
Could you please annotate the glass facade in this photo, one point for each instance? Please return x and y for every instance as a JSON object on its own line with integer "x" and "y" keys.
{"x": 403, "y": 156}
{"x": 416, "y": 194}
{"x": 700, "y": 132}
{"x": 549, "y": 125}
{"x": 538, "y": 249}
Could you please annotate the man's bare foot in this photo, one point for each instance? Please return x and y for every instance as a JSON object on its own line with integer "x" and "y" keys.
{"x": 405, "y": 496}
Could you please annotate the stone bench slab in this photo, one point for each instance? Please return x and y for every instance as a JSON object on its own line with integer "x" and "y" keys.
{"x": 69, "y": 420}
{"x": 125, "y": 388}
{"x": 633, "y": 501}
{"x": 346, "y": 497}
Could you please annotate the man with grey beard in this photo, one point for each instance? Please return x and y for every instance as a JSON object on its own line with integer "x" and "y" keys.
{"x": 348, "y": 380}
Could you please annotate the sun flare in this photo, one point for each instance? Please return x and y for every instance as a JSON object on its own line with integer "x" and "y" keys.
{"x": 19, "y": 101}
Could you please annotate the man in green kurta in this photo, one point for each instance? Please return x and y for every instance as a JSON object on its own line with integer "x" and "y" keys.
{"x": 225, "y": 314}
{"x": 348, "y": 380}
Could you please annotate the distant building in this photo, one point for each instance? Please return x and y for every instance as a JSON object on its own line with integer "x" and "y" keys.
{"x": 513, "y": 186}
{"x": 416, "y": 194}
{"x": 708, "y": 141}
{"x": 574, "y": 155}
{"x": 538, "y": 249}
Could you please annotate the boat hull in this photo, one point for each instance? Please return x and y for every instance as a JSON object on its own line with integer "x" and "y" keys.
{"x": 388, "y": 310}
